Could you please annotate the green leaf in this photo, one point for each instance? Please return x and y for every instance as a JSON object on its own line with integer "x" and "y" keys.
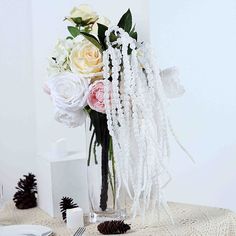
{"x": 113, "y": 37}
{"x": 77, "y": 20}
{"x": 129, "y": 50}
{"x": 87, "y": 29}
{"x": 101, "y": 34}
{"x": 126, "y": 21}
{"x": 134, "y": 35}
{"x": 74, "y": 31}
{"x": 92, "y": 39}
{"x": 86, "y": 22}
{"x": 69, "y": 37}
{"x": 133, "y": 29}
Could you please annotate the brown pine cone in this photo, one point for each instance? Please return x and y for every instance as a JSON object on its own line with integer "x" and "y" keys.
{"x": 113, "y": 227}
{"x": 66, "y": 203}
{"x": 25, "y": 200}
{"x": 26, "y": 195}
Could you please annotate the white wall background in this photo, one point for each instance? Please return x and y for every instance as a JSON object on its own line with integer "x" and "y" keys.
{"x": 17, "y": 99}
{"x": 200, "y": 38}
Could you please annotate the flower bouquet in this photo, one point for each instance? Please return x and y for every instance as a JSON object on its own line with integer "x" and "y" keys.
{"x": 103, "y": 72}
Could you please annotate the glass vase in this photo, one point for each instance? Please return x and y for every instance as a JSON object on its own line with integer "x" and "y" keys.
{"x": 101, "y": 170}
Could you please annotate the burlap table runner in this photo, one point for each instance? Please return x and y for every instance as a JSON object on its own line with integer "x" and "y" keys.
{"x": 189, "y": 220}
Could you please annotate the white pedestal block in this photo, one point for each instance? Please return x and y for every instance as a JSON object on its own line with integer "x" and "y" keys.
{"x": 56, "y": 178}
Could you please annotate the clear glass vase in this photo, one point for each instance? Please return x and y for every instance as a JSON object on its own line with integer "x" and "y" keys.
{"x": 1, "y": 196}
{"x": 102, "y": 179}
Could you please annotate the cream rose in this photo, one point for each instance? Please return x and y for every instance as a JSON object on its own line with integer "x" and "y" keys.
{"x": 85, "y": 12}
{"x": 68, "y": 91}
{"x": 86, "y": 59}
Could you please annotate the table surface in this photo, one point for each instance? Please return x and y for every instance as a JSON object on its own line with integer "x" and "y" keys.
{"x": 189, "y": 220}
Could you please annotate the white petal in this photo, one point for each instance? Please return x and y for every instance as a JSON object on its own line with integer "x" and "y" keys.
{"x": 171, "y": 82}
{"x": 70, "y": 119}
{"x": 68, "y": 91}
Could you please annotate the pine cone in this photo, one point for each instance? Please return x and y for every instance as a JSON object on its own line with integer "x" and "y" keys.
{"x": 113, "y": 227}
{"x": 66, "y": 203}
{"x": 25, "y": 197}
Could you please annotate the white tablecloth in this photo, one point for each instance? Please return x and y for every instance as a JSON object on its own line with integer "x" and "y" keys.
{"x": 189, "y": 220}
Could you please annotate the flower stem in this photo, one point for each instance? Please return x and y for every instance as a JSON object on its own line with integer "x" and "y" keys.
{"x": 105, "y": 170}
{"x": 90, "y": 147}
{"x": 94, "y": 152}
{"x": 114, "y": 174}
{"x": 110, "y": 180}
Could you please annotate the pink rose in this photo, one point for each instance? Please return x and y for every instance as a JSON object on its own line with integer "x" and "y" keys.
{"x": 96, "y": 96}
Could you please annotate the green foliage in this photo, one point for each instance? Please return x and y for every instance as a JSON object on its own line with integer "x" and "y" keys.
{"x": 84, "y": 28}
{"x": 126, "y": 24}
{"x": 92, "y": 39}
{"x": 86, "y": 22}
{"x": 126, "y": 21}
{"x": 133, "y": 33}
{"x": 77, "y": 20}
{"x": 113, "y": 37}
{"x": 74, "y": 31}
{"x": 87, "y": 29}
{"x": 69, "y": 37}
{"x": 101, "y": 34}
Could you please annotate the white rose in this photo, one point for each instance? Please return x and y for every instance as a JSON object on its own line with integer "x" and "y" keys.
{"x": 102, "y": 20}
{"x": 86, "y": 59}
{"x": 85, "y": 12}
{"x": 171, "y": 82}
{"x": 62, "y": 49}
{"x": 70, "y": 119}
{"x": 59, "y": 60}
{"x": 68, "y": 91}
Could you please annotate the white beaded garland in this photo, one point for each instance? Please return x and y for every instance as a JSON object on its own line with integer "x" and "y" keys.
{"x": 137, "y": 121}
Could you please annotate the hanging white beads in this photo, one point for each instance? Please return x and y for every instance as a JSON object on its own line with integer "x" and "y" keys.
{"x": 137, "y": 121}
